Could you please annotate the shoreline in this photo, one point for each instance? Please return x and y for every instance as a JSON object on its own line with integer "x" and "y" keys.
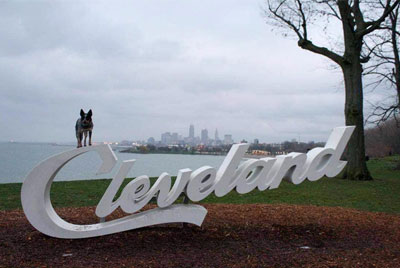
{"x": 196, "y": 153}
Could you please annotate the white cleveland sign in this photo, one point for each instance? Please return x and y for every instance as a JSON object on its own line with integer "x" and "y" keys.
{"x": 244, "y": 176}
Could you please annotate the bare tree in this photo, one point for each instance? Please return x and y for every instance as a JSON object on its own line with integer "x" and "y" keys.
{"x": 385, "y": 66}
{"x": 357, "y": 19}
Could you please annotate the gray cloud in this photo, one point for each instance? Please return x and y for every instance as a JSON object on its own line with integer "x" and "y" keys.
{"x": 155, "y": 66}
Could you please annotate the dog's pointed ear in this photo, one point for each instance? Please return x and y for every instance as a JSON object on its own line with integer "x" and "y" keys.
{"x": 82, "y": 113}
{"x": 90, "y": 113}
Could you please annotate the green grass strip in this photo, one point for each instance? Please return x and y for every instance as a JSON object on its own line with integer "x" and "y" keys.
{"x": 380, "y": 195}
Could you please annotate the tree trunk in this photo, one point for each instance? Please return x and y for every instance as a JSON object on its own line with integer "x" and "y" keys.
{"x": 396, "y": 71}
{"x": 356, "y": 168}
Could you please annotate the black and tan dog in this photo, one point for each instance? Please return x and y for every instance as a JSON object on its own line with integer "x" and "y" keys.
{"x": 83, "y": 126}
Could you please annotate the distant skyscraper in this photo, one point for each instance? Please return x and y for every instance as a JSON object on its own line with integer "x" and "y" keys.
{"x": 166, "y": 138}
{"x": 174, "y": 137}
{"x": 204, "y": 136}
{"x": 228, "y": 139}
{"x": 191, "y": 131}
{"x": 216, "y": 135}
{"x": 151, "y": 140}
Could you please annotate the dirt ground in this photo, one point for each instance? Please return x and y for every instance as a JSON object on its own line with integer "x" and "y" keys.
{"x": 256, "y": 235}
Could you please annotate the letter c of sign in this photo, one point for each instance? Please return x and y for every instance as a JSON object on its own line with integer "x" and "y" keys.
{"x": 35, "y": 198}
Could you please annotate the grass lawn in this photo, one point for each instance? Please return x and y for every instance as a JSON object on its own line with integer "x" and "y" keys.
{"x": 382, "y": 194}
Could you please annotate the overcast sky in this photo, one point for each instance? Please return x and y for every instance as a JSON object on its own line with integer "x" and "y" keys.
{"x": 147, "y": 67}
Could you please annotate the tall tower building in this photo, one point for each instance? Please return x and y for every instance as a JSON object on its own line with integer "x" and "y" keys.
{"x": 191, "y": 131}
{"x": 204, "y": 136}
{"x": 216, "y": 135}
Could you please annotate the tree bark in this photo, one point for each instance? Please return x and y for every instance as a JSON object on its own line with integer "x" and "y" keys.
{"x": 396, "y": 72}
{"x": 356, "y": 168}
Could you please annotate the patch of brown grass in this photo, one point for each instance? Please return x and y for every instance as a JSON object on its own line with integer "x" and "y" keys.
{"x": 256, "y": 235}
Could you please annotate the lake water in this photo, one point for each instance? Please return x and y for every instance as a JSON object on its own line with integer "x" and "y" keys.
{"x": 17, "y": 159}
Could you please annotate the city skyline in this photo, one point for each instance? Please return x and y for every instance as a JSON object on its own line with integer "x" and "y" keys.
{"x": 176, "y": 138}
{"x": 169, "y": 138}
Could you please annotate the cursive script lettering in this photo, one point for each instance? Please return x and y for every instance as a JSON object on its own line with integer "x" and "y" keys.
{"x": 234, "y": 173}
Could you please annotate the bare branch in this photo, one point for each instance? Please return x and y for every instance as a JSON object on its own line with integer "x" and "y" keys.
{"x": 308, "y": 45}
{"x": 333, "y": 12}
{"x": 358, "y": 16}
{"x": 374, "y": 25}
{"x": 381, "y": 114}
{"x": 301, "y": 29}
{"x": 283, "y": 19}
{"x": 303, "y": 18}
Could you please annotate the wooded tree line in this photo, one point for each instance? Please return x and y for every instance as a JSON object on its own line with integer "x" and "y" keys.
{"x": 383, "y": 140}
{"x": 366, "y": 45}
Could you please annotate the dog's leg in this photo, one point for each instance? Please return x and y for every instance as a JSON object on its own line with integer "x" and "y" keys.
{"x": 84, "y": 143}
{"x": 80, "y": 139}
{"x": 77, "y": 133}
{"x": 90, "y": 138}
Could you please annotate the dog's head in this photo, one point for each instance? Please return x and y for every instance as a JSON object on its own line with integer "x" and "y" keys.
{"x": 86, "y": 118}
